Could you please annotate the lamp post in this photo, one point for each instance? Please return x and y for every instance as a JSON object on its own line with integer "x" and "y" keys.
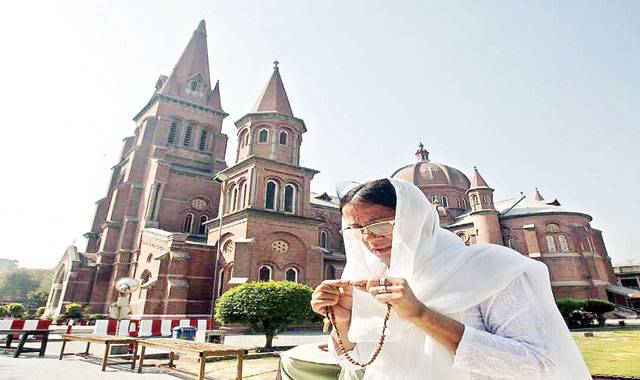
{"x": 219, "y": 178}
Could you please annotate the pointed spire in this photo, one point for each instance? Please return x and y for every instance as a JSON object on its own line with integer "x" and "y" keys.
{"x": 193, "y": 66}
{"x": 214, "y": 98}
{"x": 537, "y": 196}
{"x": 274, "y": 97}
{"x": 477, "y": 180}
{"x": 422, "y": 154}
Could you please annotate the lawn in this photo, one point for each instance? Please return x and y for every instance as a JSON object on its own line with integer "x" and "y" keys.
{"x": 611, "y": 352}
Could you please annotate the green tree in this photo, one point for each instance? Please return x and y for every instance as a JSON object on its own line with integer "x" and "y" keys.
{"x": 599, "y": 308}
{"x": 569, "y": 305}
{"x": 267, "y": 307}
{"x": 4, "y": 311}
{"x": 37, "y": 298}
{"x": 16, "y": 310}
{"x": 16, "y": 284}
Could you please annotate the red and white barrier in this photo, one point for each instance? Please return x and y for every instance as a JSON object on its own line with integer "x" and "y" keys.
{"x": 24, "y": 324}
{"x": 146, "y": 327}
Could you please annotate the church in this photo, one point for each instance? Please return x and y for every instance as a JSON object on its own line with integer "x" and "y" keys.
{"x": 189, "y": 226}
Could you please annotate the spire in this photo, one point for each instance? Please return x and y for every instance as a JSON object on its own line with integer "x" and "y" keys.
{"x": 422, "y": 154}
{"x": 537, "y": 196}
{"x": 190, "y": 78}
{"x": 274, "y": 96}
{"x": 477, "y": 180}
{"x": 214, "y": 97}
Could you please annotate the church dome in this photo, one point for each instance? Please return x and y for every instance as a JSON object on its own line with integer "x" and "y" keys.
{"x": 426, "y": 173}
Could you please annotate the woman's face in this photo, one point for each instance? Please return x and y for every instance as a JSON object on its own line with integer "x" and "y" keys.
{"x": 360, "y": 214}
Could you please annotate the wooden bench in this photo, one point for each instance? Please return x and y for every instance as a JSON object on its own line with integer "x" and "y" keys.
{"x": 107, "y": 340}
{"x": 24, "y": 335}
{"x": 189, "y": 347}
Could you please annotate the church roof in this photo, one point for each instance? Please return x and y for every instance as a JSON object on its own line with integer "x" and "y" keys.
{"x": 325, "y": 200}
{"x": 193, "y": 65}
{"x": 425, "y": 172}
{"x": 515, "y": 207}
{"x": 477, "y": 181}
{"x": 274, "y": 97}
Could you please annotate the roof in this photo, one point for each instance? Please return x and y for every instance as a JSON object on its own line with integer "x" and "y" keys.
{"x": 477, "y": 181}
{"x": 627, "y": 292}
{"x": 325, "y": 200}
{"x": 429, "y": 173}
{"x": 274, "y": 97}
{"x": 515, "y": 207}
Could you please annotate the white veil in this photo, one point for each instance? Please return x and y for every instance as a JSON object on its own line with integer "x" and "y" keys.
{"x": 448, "y": 277}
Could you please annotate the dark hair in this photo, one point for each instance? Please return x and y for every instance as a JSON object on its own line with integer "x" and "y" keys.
{"x": 378, "y": 192}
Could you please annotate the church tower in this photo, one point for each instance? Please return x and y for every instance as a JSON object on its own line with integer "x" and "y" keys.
{"x": 267, "y": 226}
{"x": 163, "y": 181}
{"x": 483, "y": 212}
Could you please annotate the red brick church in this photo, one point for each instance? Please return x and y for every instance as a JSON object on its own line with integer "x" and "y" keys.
{"x": 160, "y": 219}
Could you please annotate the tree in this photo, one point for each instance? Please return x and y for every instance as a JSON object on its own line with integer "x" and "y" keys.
{"x": 40, "y": 311}
{"x": 599, "y": 308}
{"x": 37, "y": 298}
{"x": 17, "y": 284}
{"x": 16, "y": 310}
{"x": 267, "y": 307}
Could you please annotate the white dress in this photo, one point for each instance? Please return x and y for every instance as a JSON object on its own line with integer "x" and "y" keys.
{"x": 505, "y": 337}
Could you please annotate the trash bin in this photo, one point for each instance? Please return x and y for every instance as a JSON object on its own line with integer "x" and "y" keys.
{"x": 183, "y": 332}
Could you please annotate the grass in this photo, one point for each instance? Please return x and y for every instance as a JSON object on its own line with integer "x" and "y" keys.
{"x": 611, "y": 352}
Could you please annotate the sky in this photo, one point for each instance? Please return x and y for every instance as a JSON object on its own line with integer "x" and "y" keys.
{"x": 535, "y": 94}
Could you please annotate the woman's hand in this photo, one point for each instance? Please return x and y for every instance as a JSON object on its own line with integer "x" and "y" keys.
{"x": 399, "y": 295}
{"x": 334, "y": 293}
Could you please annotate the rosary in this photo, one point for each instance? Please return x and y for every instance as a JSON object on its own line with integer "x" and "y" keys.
{"x": 330, "y": 320}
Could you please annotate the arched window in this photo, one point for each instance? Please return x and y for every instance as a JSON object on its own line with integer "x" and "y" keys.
{"x": 324, "y": 239}
{"x": 564, "y": 245}
{"x": 445, "y": 201}
{"x": 220, "y": 283}
{"x": 171, "y": 138}
{"x": 202, "y": 230}
{"x": 246, "y": 139}
{"x": 228, "y": 206}
{"x": 475, "y": 201}
{"x": 551, "y": 244}
{"x": 271, "y": 195}
{"x": 203, "y": 140}
{"x": 511, "y": 243}
{"x": 187, "y": 136}
{"x": 289, "y": 198}
{"x": 234, "y": 200}
{"x": 188, "y": 223}
{"x": 243, "y": 196}
{"x": 329, "y": 272}
{"x": 434, "y": 199}
{"x": 291, "y": 275}
{"x": 242, "y": 140}
{"x": 194, "y": 85}
{"x": 283, "y": 137}
{"x": 264, "y": 273}
{"x": 145, "y": 277}
{"x": 263, "y": 135}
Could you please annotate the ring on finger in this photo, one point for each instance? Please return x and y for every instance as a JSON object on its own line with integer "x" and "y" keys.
{"x": 382, "y": 281}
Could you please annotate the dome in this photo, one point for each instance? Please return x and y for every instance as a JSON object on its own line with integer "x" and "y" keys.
{"x": 430, "y": 173}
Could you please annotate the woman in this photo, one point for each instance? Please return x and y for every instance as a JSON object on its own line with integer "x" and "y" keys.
{"x": 458, "y": 312}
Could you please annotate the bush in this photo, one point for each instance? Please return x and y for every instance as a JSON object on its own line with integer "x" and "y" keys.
{"x": 73, "y": 310}
{"x": 4, "y": 311}
{"x": 16, "y": 310}
{"x": 568, "y": 305}
{"x": 267, "y": 307}
{"x": 599, "y": 308}
{"x": 40, "y": 311}
{"x": 581, "y": 319}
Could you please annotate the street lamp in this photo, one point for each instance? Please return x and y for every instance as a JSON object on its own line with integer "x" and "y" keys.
{"x": 219, "y": 178}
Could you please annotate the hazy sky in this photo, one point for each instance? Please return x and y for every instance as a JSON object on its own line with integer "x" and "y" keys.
{"x": 538, "y": 93}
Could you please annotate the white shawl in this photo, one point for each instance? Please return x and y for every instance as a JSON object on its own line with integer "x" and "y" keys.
{"x": 448, "y": 277}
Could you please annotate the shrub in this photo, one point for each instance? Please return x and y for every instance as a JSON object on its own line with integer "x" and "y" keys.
{"x": 40, "y": 311}
{"x": 267, "y": 307}
{"x": 599, "y": 308}
{"x": 73, "y": 310}
{"x": 16, "y": 310}
{"x": 581, "y": 319}
{"x": 4, "y": 311}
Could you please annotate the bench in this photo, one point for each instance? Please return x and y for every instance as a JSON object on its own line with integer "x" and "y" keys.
{"x": 188, "y": 347}
{"x": 23, "y": 335}
{"x": 107, "y": 340}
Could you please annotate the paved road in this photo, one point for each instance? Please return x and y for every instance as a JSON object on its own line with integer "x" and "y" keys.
{"x": 72, "y": 367}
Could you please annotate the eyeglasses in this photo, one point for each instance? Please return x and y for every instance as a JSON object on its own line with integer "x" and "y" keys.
{"x": 375, "y": 229}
